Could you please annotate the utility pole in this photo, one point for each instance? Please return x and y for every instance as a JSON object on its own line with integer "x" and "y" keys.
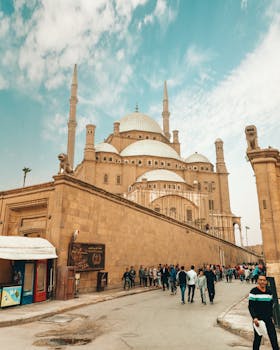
{"x": 25, "y": 171}
{"x": 246, "y": 229}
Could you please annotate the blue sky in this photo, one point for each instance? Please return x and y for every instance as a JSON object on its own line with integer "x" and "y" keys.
{"x": 220, "y": 59}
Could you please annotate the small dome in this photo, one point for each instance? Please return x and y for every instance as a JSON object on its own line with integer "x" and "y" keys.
{"x": 160, "y": 175}
{"x": 139, "y": 121}
{"x": 105, "y": 147}
{"x": 150, "y": 148}
{"x": 197, "y": 158}
{"x": 219, "y": 140}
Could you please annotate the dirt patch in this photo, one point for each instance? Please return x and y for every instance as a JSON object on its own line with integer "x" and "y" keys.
{"x": 78, "y": 330}
{"x": 55, "y": 342}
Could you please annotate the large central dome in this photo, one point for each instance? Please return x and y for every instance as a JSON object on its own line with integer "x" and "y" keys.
{"x": 150, "y": 148}
{"x": 139, "y": 121}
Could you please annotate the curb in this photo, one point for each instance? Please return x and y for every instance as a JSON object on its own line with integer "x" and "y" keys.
{"x": 231, "y": 327}
{"x": 43, "y": 314}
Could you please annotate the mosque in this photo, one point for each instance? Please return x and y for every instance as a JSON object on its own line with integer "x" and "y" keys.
{"x": 133, "y": 200}
{"x": 141, "y": 162}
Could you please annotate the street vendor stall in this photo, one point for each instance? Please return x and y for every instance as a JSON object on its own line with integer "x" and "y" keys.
{"x": 30, "y": 275}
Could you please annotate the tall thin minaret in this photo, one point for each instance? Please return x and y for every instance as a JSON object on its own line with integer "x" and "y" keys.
{"x": 165, "y": 112}
{"x": 72, "y": 124}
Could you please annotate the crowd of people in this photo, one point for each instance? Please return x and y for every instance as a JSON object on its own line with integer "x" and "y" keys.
{"x": 169, "y": 277}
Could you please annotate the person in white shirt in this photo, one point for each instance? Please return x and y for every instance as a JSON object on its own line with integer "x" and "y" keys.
{"x": 192, "y": 278}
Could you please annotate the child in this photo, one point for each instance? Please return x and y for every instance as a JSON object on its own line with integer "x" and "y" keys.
{"x": 202, "y": 285}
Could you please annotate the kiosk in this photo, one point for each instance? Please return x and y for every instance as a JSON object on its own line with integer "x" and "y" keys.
{"x": 30, "y": 276}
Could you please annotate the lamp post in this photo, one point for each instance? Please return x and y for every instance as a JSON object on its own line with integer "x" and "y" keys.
{"x": 246, "y": 229}
{"x": 25, "y": 171}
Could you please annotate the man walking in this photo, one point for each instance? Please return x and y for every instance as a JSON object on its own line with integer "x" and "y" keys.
{"x": 260, "y": 307}
{"x": 182, "y": 279}
{"x": 192, "y": 278}
{"x": 211, "y": 278}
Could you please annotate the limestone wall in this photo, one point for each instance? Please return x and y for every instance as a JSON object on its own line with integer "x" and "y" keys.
{"x": 133, "y": 235}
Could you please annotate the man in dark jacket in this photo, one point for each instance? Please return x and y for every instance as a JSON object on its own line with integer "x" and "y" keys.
{"x": 260, "y": 307}
{"x": 182, "y": 278}
{"x": 211, "y": 278}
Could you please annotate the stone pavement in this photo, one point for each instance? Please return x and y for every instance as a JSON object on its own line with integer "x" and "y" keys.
{"x": 235, "y": 319}
{"x": 32, "y": 312}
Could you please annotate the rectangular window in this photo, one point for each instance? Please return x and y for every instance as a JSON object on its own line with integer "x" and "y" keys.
{"x": 264, "y": 204}
{"x": 211, "y": 204}
{"x": 189, "y": 215}
{"x": 118, "y": 179}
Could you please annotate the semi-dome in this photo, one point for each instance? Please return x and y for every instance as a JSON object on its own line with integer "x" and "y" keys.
{"x": 150, "y": 148}
{"x": 139, "y": 121}
{"x": 105, "y": 147}
{"x": 160, "y": 175}
{"x": 197, "y": 158}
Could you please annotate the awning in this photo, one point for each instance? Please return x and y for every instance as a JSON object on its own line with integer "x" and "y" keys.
{"x": 26, "y": 248}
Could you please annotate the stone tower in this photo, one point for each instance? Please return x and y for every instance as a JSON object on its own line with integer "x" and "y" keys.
{"x": 72, "y": 123}
{"x": 223, "y": 187}
{"x": 165, "y": 113}
{"x": 266, "y": 166}
{"x": 89, "y": 155}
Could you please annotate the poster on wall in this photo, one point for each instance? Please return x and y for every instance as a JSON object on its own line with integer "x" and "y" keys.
{"x": 87, "y": 256}
{"x": 11, "y": 296}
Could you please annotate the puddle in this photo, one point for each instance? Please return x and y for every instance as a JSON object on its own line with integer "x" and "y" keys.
{"x": 54, "y": 342}
{"x": 64, "y": 318}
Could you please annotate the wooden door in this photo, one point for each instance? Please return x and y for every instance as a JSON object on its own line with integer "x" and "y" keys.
{"x": 40, "y": 293}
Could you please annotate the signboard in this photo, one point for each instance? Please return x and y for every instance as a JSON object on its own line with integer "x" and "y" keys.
{"x": 11, "y": 296}
{"x": 87, "y": 256}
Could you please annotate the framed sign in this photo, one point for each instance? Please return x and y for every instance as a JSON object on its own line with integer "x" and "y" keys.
{"x": 87, "y": 256}
{"x": 11, "y": 296}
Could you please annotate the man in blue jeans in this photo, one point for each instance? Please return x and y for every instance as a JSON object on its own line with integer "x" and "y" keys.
{"x": 182, "y": 280}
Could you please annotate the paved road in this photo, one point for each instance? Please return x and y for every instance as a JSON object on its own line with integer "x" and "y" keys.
{"x": 149, "y": 321}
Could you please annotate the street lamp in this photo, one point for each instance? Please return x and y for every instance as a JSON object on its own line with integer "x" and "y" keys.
{"x": 25, "y": 171}
{"x": 246, "y": 229}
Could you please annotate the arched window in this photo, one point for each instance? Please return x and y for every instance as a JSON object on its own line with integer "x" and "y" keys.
{"x": 118, "y": 179}
{"x": 172, "y": 212}
{"x": 105, "y": 178}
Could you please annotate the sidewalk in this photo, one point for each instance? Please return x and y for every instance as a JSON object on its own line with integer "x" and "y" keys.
{"x": 32, "y": 312}
{"x": 237, "y": 320}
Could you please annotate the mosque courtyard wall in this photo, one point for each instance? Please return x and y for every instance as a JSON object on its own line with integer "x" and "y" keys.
{"x": 132, "y": 234}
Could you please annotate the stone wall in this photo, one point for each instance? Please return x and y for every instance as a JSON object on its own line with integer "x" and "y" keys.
{"x": 133, "y": 234}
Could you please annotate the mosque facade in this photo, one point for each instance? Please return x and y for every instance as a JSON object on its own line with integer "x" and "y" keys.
{"x": 133, "y": 200}
{"x": 140, "y": 161}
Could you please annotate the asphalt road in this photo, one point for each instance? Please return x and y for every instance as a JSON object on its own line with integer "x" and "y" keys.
{"x": 150, "y": 321}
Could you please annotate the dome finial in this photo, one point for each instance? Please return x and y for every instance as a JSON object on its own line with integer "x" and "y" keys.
{"x": 136, "y": 108}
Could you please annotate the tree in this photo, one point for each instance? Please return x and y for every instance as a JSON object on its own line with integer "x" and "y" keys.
{"x": 25, "y": 170}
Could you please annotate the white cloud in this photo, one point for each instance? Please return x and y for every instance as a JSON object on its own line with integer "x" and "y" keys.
{"x": 244, "y": 4}
{"x": 196, "y": 57}
{"x": 4, "y": 25}
{"x": 3, "y": 83}
{"x": 58, "y": 34}
{"x": 249, "y": 94}
{"x": 163, "y": 14}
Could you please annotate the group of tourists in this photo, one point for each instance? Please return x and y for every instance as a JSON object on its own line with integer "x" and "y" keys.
{"x": 169, "y": 277}
{"x": 244, "y": 272}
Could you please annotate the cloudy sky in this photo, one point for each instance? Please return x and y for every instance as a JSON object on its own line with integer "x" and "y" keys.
{"x": 221, "y": 60}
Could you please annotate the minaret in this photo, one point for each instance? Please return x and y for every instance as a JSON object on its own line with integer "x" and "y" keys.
{"x": 72, "y": 124}
{"x": 89, "y": 152}
{"x": 220, "y": 161}
{"x": 165, "y": 112}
